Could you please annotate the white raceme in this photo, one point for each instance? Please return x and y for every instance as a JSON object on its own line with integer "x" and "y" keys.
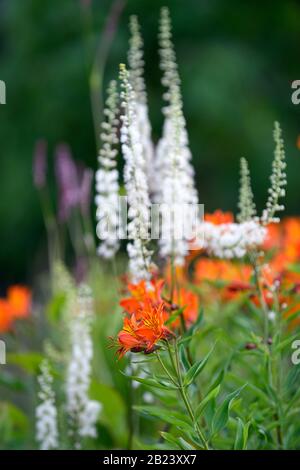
{"x": 46, "y": 412}
{"x": 107, "y": 180}
{"x": 135, "y": 179}
{"x": 83, "y": 412}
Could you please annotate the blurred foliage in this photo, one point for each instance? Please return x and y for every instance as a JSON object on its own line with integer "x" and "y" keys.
{"x": 237, "y": 61}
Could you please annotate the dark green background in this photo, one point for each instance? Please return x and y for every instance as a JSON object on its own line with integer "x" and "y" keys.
{"x": 237, "y": 60}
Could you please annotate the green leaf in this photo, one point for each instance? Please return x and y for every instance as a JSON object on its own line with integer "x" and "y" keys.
{"x": 171, "y": 439}
{"x": 210, "y": 396}
{"x": 241, "y": 437}
{"x": 292, "y": 317}
{"x": 179, "y": 442}
{"x": 55, "y": 307}
{"x": 150, "y": 382}
{"x": 174, "y": 418}
{"x": 174, "y": 315}
{"x": 218, "y": 380}
{"x": 286, "y": 343}
{"x": 222, "y": 414}
{"x": 183, "y": 357}
{"x": 14, "y": 423}
{"x": 195, "y": 370}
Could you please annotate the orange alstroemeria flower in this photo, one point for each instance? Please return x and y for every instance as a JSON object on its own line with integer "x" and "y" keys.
{"x": 141, "y": 293}
{"x": 19, "y": 298}
{"x": 142, "y": 332}
{"x": 5, "y": 316}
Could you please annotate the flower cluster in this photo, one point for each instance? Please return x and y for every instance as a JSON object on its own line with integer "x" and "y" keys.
{"x": 82, "y": 411}
{"x": 147, "y": 313}
{"x": 246, "y": 203}
{"x": 107, "y": 185}
{"x": 175, "y": 175}
{"x": 135, "y": 182}
{"x": 232, "y": 278}
{"x": 143, "y": 329}
{"x": 232, "y": 240}
{"x": 278, "y": 179}
{"x": 46, "y": 413}
{"x": 136, "y": 70}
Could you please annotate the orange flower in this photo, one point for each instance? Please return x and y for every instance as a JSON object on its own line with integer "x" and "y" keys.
{"x": 291, "y": 227}
{"x": 220, "y": 270}
{"x": 143, "y": 332}
{"x": 5, "y": 316}
{"x": 273, "y": 237}
{"x": 190, "y": 303}
{"x": 219, "y": 217}
{"x": 141, "y": 293}
{"x": 19, "y": 298}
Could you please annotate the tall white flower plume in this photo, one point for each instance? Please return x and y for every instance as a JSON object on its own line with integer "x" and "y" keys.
{"x": 135, "y": 182}
{"x": 46, "y": 413}
{"x": 175, "y": 186}
{"x": 277, "y": 179}
{"x": 107, "y": 184}
{"x": 246, "y": 205}
{"x": 136, "y": 70}
{"x": 83, "y": 412}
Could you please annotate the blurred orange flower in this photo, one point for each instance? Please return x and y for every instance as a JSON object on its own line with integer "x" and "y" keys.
{"x": 219, "y": 217}
{"x": 16, "y": 305}
{"x": 221, "y": 270}
{"x": 5, "y": 316}
{"x": 19, "y": 298}
{"x": 190, "y": 303}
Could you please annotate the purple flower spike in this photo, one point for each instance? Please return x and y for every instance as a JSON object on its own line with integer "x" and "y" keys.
{"x": 40, "y": 164}
{"x": 67, "y": 179}
{"x": 86, "y": 190}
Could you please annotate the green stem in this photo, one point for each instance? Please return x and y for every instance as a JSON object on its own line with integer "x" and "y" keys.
{"x": 253, "y": 260}
{"x": 166, "y": 370}
{"x": 176, "y": 365}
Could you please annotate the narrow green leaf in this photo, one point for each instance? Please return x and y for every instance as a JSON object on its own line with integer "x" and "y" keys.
{"x": 183, "y": 357}
{"x": 174, "y": 315}
{"x": 222, "y": 414}
{"x": 241, "y": 437}
{"x": 210, "y": 396}
{"x": 150, "y": 382}
{"x": 195, "y": 370}
{"x": 286, "y": 343}
{"x": 169, "y": 416}
{"x": 171, "y": 439}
